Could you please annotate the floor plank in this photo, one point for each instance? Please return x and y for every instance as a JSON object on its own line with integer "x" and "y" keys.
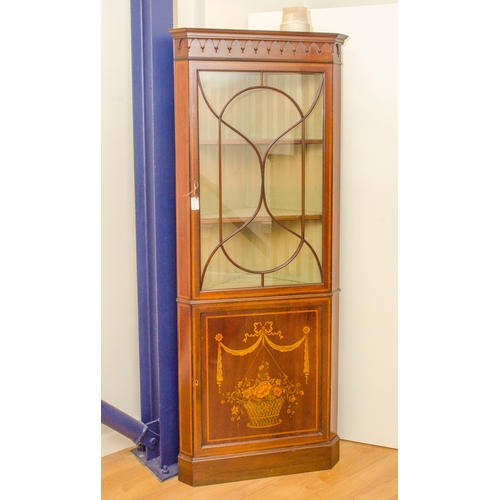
{"x": 124, "y": 477}
{"x": 354, "y": 457}
{"x": 364, "y": 472}
{"x": 376, "y": 482}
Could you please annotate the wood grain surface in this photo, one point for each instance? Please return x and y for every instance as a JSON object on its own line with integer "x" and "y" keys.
{"x": 364, "y": 472}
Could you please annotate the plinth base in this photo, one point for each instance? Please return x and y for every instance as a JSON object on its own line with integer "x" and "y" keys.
{"x": 258, "y": 464}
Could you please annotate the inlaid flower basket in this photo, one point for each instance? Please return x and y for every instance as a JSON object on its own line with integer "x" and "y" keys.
{"x": 262, "y": 398}
{"x": 264, "y": 413}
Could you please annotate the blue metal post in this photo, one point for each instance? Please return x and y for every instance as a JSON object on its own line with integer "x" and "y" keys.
{"x": 153, "y": 105}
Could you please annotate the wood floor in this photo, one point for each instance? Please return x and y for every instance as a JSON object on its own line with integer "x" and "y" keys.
{"x": 364, "y": 472}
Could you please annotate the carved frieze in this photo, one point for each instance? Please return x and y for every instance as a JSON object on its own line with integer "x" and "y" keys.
{"x": 263, "y": 45}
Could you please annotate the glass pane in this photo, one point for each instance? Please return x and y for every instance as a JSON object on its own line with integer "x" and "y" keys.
{"x": 261, "y": 178}
{"x": 314, "y": 120}
{"x": 240, "y": 169}
{"x": 283, "y": 179}
{"x": 220, "y": 86}
{"x": 304, "y": 267}
{"x": 314, "y": 179}
{"x": 302, "y": 88}
{"x": 261, "y": 114}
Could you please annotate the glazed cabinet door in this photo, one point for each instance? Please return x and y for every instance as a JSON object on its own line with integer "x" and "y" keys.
{"x": 262, "y": 174}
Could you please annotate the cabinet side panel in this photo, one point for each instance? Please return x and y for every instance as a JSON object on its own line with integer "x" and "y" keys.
{"x": 328, "y": 164}
{"x": 334, "y": 363}
{"x": 185, "y": 380}
{"x": 336, "y": 175}
{"x": 182, "y": 179}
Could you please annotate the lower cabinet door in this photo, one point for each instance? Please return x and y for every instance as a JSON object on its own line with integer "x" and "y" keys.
{"x": 262, "y": 385}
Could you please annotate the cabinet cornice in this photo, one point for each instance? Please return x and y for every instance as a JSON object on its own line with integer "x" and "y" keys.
{"x": 192, "y": 43}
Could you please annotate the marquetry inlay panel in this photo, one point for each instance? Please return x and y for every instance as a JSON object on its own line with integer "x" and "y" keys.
{"x": 263, "y": 374}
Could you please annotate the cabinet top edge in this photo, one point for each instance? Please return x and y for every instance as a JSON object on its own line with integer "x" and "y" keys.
{"x": 275, "y": 46}
{"x": 258, "y": 35}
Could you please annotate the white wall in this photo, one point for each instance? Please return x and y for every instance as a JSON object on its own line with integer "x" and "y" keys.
{"x": 368, "y": 397}
{"x": 224, "y": 14}
{"x": 368, "y": 339}
{"x": 119, "y": 346}
{"x": 368, "y": 227}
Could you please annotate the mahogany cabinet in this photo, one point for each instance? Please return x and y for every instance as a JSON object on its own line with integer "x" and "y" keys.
{"x": 257, "y": 132}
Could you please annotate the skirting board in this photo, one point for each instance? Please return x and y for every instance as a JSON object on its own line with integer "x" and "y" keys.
{"x": 113, "y": 441}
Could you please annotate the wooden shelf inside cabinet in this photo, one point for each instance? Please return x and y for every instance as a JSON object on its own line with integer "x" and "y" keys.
{"x": 243, "y": 217}
{"x": 240, "y": 142}
{"x": 257, "y": 143}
